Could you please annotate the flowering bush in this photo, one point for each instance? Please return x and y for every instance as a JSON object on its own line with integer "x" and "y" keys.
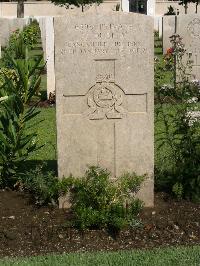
{"x": 180, "y": 136}
{"x": 8, "y": 73}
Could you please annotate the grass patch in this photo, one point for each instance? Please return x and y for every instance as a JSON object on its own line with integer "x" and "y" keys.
{"x": 45, "y": 124}
{"x": 158, "y": 257}
{"x": 34, "y": 53}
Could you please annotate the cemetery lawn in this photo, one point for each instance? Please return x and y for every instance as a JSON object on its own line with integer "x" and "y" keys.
{"x": 158, "y": 257}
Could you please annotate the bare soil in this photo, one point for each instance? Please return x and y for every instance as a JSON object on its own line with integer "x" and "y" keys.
{"x": 26, "y": 230}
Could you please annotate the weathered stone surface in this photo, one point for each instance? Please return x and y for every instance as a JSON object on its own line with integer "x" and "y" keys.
{"x": 168, "y": 29}
{"x": 188, "y": 27}
{"x": 4, "y": 30}
{"x": 104, "y": 94}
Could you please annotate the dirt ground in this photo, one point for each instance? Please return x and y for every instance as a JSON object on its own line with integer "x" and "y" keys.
{"x": 27, "y": 230}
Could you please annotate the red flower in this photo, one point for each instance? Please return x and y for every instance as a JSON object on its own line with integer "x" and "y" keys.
{"x": 170, "y": 51}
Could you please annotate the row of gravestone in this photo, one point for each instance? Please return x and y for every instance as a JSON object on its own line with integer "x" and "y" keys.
{"x": 104, "y": 72}
{"x": 188, "y": 27}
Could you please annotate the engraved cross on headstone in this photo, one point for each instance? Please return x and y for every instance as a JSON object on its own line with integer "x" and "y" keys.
{"x": 106, "y": 100}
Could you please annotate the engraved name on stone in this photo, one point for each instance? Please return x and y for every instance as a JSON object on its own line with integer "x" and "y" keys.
{"x": 105, "y": 38}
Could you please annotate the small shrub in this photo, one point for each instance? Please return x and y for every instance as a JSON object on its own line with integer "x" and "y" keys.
{"x": 13, "y": 38}
{"x": 31, "y": 34}
{"x": 16, "y": 50}
{"x": 42, "y": 185}
{"x": 20, "y": 42}
{"x": 101, "y": 203}
{"x": 177, "y": 189}
{"x": 9, "y": 73}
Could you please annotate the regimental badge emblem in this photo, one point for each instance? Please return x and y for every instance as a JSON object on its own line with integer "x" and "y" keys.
{"x": 105, "y": 98}
{"x": 104, "y": 101}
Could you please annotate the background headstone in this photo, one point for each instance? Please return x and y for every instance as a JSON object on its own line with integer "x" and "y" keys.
{"x": 104, "y": 94}
{"x": 168, "y": 29}
{"x": 8, "y": 26}
{"x": 188, "y": 27}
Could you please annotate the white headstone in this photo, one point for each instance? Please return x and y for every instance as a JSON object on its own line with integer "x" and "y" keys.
{"x": 8, "y": 26}
{"x": 104, "y": 95}
{"x": 168, "y": 29}
{"x": 188, "y": 27}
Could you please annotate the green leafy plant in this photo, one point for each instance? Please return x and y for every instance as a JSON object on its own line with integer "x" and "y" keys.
{"x": 15, "y": 143}
{"x": 16, "y": 50}
{"x": 13, "y": 37}
{"x": 21, "y": 41}
{"x": 99, "y": 202}
{"x": 179, "y": 137}
{"x": 31, "y": 34}
{"x": 41, "y": 184}
{"x": 177, "y": 189}
{"x": 9, "y": 73}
